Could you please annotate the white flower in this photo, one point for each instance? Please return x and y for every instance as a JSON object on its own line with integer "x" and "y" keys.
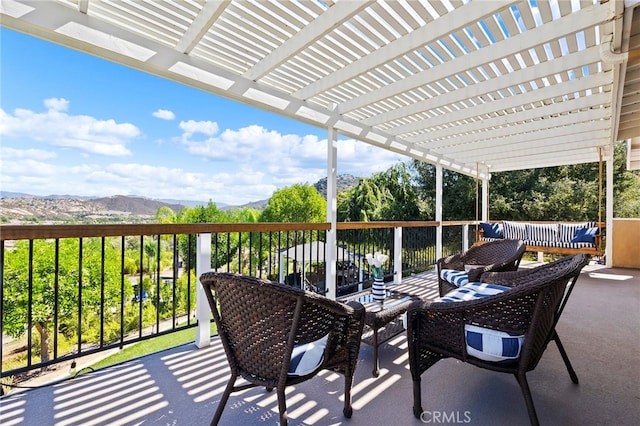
{"x": 377, "y": 259}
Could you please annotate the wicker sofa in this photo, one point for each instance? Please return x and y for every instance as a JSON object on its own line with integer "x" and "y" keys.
{"x": 549, "y": 237}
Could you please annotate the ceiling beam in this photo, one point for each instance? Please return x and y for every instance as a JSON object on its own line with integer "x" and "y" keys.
{"x": 208, "y": 15}
{"x": 578, "y": 21}
{"x": 502, "y": 106}
{"x": 332, "y": 18}
{"x": 427, "y": 34}
{"x": 524, "y": 75}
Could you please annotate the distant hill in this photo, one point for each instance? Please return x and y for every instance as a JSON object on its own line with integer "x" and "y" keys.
{"x": 117, "y": 209}
{"x": 133, "y": 205}
{"x": 258, "y": 205}
{"x": 343, "y": 183}
{"x": 17, "y": 208}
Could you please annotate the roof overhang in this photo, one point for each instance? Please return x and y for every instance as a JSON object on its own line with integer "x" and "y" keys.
{"x": 477, "y": 87}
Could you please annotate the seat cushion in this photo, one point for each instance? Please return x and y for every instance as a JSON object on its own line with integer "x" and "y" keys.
{"x": 484, "y": 343}
{"x": 492, "y": 345}
{"x": 472, "y": 291}
{"x": 307, "y": 357}
{"x": 455, "y": 277}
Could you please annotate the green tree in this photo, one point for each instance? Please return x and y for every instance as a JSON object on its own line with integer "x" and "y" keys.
{"x": 298, "y": 203}
{"x": 389, "y": 195}
{"x": 71, "y": 286}
{"x": 165, "y": 215}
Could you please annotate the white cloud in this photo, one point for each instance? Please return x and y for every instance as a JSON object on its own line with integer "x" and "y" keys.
{"x": 191, "y": 127}
{"x": 7, "y": 153}
{"x": 57, "y": 128}
{"x": 255, "y": 144}
{"x": 164, "y": 114}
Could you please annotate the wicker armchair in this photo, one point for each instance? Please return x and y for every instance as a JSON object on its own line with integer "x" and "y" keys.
{"x": 529, "y": 309}
{"x": 492, "y": 256}
{"x": 265, "y": 328}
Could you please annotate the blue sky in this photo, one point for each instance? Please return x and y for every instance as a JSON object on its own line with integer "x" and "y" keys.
{"x": 74, "y": 124}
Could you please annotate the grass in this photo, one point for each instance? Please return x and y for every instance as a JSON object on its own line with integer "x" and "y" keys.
{"x": 150, "y": 346}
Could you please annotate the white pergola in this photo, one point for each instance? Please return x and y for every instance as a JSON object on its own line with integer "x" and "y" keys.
{"x": 477, "y": 86}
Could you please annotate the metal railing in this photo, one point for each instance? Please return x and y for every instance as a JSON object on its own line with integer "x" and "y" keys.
{"x": 72, "y": 290}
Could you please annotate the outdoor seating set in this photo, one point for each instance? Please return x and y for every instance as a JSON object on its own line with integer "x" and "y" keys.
{"x": 490, "y": 315}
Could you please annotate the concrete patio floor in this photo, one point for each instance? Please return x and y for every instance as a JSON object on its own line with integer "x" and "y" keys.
{"x": 600, "y": 329}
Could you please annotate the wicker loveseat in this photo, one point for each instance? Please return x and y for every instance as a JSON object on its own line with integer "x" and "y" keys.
{"x": 556, "y": 237}
{"x": 275, "y": 335}
{"x": 503, "y": 323}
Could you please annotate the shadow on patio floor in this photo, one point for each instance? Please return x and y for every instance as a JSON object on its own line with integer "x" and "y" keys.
{"x": 182, "y": 386}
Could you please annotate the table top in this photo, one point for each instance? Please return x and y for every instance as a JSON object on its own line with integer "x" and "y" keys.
{"x": 395, "y": 303}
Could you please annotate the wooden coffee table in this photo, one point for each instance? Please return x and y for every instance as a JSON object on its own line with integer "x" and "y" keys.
{"x": 382, "y": 322}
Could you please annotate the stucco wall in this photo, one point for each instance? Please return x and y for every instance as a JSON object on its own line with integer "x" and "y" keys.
{"x": 625, "y": 251}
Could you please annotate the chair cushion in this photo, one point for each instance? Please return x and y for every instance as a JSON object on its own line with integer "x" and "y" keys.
{"x": 472, "y": 291}
{"x": 491, "y": 230}
{"x": 307, "y": 357}
{"x": 492, "y": 345}
{"x": 455, "y": 277}
{"x": 484, "y": 343}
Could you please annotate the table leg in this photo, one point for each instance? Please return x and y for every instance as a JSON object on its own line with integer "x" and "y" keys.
{"x": 376, "y": 364}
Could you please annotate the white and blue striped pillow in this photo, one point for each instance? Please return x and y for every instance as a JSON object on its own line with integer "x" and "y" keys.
{"x": 542, "y": 231}
{"x": 492, "y": 345}
{"x": 307, "y": 357}
{"x": 514, "y": 230}
{"x": 455, "y": 277}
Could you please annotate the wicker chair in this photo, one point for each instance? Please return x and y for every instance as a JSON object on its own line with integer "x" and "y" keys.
{"x": 492, "y": 256}
{"x": 262, "y": 323}
{"x": 530, "y": 308}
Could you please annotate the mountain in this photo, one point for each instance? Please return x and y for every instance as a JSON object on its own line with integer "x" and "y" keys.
{"x": 48, "y": 210}
{"x": 133, "y": 205}
{"x": 19, "y": 208}
{"x": 343, "y": 183}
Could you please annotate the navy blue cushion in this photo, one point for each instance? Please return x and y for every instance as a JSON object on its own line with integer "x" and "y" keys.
{"x": 585, "y": 235}
{"x": 491, "y": 230}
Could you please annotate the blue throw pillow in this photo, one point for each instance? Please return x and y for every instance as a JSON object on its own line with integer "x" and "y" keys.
{"x": 492, "y": 230}
{"x": 585, "y": 235}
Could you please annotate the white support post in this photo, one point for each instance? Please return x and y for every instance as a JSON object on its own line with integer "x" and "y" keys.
{"x": 397, "y": 255}
{"x": 485, "y": 200}
{"x": 203, "y": 312}
{"x": 609, "y": 210}
{"x": 465, "y": 237}
{"x": 332, "y": 213}
{"x": 439, "y": 211}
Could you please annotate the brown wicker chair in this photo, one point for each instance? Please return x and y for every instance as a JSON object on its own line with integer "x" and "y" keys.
{"x": 261, "y": 322}
{"x": 492, "y": 256}
{"x": 532, "y": 307}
